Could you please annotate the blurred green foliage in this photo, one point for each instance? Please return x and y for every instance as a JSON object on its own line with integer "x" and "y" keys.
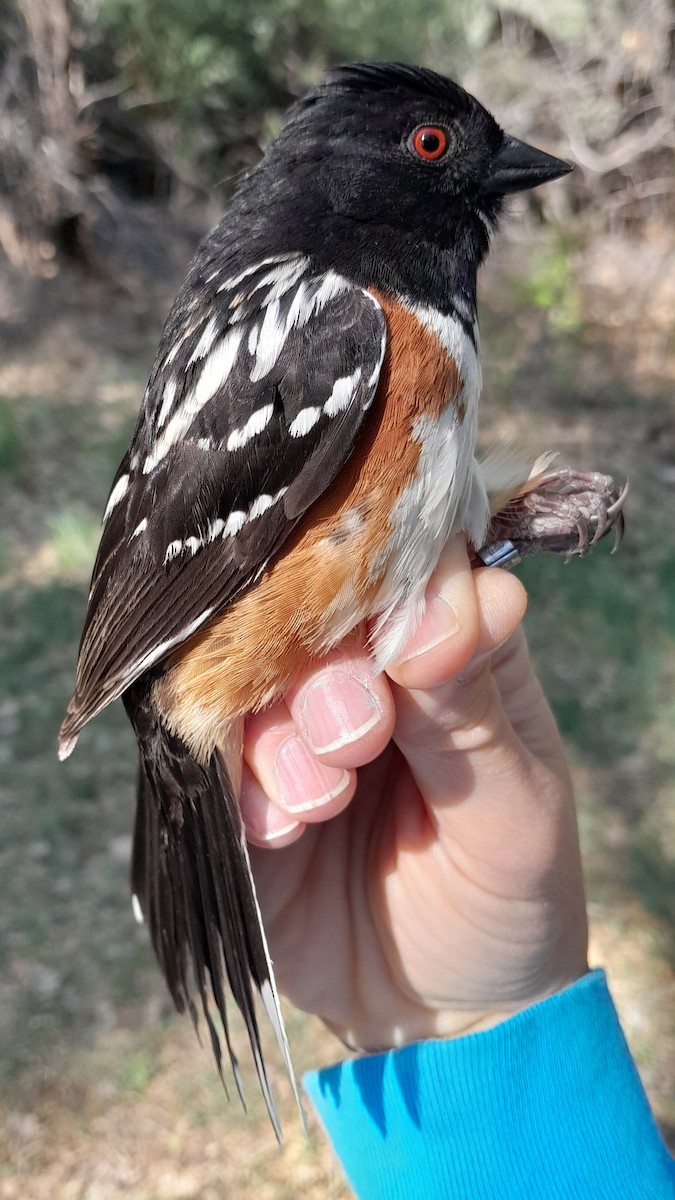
{"x": 225, "y": 72}
{"x": 74, "y": 539}
{"x": 552, "y": 284}
{"x": 249, "y": 48}
{"x": 10, "y": 439}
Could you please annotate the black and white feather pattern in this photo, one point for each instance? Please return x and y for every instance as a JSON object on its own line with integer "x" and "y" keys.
{"x": 192, "y": 884}
{"x": 260, "y": 386}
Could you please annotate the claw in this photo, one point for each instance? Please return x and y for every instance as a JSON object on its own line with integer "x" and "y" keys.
{"x": 601, "y": 527}
{"x": 620, "y": 500}
{"x": 619, "y": 526}
{"x": 615, "y": 510}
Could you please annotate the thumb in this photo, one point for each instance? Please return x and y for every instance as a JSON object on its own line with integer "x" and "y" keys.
{"x": 447, "y": 705}
{"x": 469, "y": 613}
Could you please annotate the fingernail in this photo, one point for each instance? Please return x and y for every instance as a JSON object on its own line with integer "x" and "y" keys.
{"x": 303, "y": 782}
{"x": 439, "y": 624}
{"x": 273, "y": 835}
{"x": 264, "y": 821}
{"x": 337, "y": 710}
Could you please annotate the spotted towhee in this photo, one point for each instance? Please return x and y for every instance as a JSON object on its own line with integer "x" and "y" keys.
{"x": 305, "y": 447}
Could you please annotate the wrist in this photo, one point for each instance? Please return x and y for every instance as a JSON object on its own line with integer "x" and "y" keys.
{"x": 400, "y": 1021}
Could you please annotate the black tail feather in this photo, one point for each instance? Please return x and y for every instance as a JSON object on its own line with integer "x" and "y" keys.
{"x": 192, "y": 879}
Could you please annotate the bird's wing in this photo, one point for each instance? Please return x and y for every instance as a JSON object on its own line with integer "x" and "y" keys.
{"x": 252, "y": 408}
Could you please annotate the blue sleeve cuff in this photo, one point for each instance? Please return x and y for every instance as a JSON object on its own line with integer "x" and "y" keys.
{"x": 546, "y": 1105}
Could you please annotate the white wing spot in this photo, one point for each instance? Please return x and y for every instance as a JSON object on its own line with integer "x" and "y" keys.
{"x": 305, "y": 420}
{"x": 234, "y": 522}
{"x": 167, "y": 401}
{"x": 260, "y": 506}
{"x": 272, "y": 336}
{"x": 215, "y": 529}
{"x": 205, "y": 342}
{"x": 278, "y": 281}
{"x": 332, "y": 285}
{"x": 172, "y": 551}
{"x": 255, "y": 425}
{"x": 216, "y": 370}
{"x": 300, "y": 310}
{"x": 235, "y": 279}
{"x": 281, "y": 279}
{"x": 342, "y": 394}
{"x": 192, "y": 544}
{"x": 214, "y": 374}
{"x": 309, "y": 300}
{"x": 118, "y": 493}
{"x": 140, "y": 528}
{"x": 264, "y": 502}
{"x": 182, "y": 339}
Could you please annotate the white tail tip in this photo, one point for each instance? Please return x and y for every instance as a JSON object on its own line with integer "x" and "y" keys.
{"x": 66, "y": 747}
{"x": 137, "y": 910}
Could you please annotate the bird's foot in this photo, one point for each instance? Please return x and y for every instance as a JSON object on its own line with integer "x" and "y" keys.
{"x": 566, "y": 513}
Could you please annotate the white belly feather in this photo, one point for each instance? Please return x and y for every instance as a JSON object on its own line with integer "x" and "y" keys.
{"x": 447, "y": 497}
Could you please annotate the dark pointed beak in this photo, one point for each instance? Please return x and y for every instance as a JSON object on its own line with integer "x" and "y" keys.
{"x": 517, "y": 167}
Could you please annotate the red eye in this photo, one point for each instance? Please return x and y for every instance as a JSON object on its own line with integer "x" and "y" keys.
{"x": 429, "y": 142}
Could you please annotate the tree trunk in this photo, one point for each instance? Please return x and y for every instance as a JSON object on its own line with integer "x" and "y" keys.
{"x": 41, "y": 193}
{"x": 49, "y": 26}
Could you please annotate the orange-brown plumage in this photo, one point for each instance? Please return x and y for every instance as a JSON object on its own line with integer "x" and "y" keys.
{"x": 330, "y": 570}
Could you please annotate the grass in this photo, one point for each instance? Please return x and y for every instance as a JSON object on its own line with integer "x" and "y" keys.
{"x": 103, "y": 1090}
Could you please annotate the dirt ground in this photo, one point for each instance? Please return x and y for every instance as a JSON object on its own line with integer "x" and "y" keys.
{"x": 104, "y": 1092}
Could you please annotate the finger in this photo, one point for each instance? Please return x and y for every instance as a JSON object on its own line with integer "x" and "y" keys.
{"x": 461, "y": 746}
{"x": 525, "y": 704}
{"x": 502, "y": 603}
{"x": 447, "y": 636}
{"x": 454, "y": 705}
{"x": 266, "y": 824}
{"x": 344, "y": 711}
{"x": 290, "y": 776}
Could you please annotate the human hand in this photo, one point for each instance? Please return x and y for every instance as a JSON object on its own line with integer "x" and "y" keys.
{"x": 421, "y": 877}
